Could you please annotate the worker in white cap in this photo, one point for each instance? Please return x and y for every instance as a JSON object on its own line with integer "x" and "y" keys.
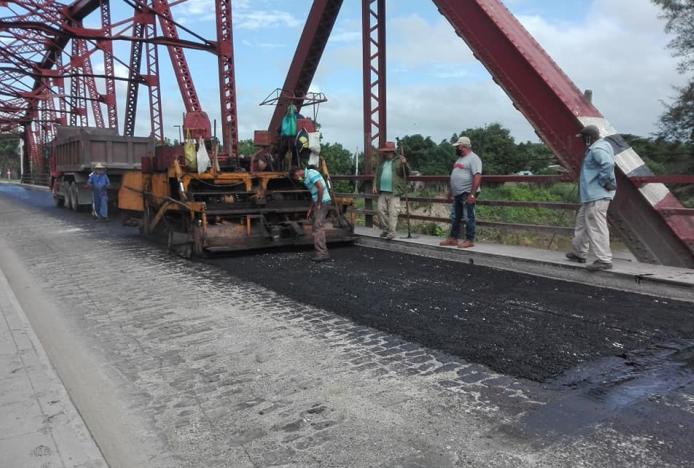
{"x": 598, "y": 186}
{"x": 466, "y": 178}
{"x": 98, "y": 181}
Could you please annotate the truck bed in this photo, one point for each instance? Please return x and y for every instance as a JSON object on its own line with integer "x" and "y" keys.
{"x": 78, "y": 149}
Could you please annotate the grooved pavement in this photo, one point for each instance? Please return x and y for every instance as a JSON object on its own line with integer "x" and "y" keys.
{"x": 221, "y": 372}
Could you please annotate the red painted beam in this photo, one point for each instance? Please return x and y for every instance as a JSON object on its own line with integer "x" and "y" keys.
{"x": 110, "y": 97}
{"x": 663, "y": 179}
{"x": 374, "y": 77}
{"x": 557, "y": 110}
{"x": 678, "y": 212}
{"x": 156, "y": 115}
{"x": 133, "y": 85}
{"x": 319, "y": 24}
{"x": 227, "y": 79}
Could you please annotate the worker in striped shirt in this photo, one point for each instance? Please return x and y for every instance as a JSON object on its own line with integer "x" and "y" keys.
{"x": 320, "y": 205}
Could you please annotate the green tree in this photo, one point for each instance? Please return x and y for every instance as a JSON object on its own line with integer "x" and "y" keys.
{"x": 246, "y": 148}
{"x": 493, "y": 143}
{"x": 425, "y": 156}
{"x": 537, "y": 156}
{"x": 497, "y": 148}
{"x": 678, "y": 121}
{"x": 340, "y": 161}
{"x": 666, "y": 156}
{"x": 9, "y": 158}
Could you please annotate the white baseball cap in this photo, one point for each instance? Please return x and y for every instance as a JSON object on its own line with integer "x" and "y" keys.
{"x": 463, "y": 141}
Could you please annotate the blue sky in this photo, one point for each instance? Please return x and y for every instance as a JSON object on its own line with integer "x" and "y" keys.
{"x": 435, "y": 85}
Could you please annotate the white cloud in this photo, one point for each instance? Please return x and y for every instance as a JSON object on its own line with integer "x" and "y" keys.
{"x": 436, "y": 87}
{"x": 263, "y": 45}
{"x": 618, "y": 51}
{"x": 259, "y": 19}
{"x": 246, "y": 15}
{"x": 416, "y": 43}
{"x": 349, "y": 37}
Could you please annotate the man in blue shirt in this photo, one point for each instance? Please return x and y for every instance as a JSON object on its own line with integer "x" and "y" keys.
{"x": 320, "y": 205}
{"x": 598, "y": 186}
{"x": 98, "y": 181}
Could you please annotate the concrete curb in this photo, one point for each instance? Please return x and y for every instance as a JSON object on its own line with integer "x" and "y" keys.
{"x": 645, "y": 283}
{"x": 52, "y": 429}
{"x": 39, "y": 188}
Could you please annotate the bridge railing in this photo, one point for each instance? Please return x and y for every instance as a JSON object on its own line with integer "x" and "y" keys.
{"x": 36, "y": 179}
{"x": 569, "y": 209}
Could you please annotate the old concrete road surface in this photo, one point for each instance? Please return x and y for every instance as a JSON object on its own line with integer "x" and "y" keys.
{"x": 375, "y": 360}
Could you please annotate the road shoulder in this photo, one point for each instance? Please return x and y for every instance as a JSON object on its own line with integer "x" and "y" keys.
{"x": 40, "y": 425}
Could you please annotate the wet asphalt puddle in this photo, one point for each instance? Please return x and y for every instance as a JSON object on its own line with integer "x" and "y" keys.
{"x": 595, "y": 392}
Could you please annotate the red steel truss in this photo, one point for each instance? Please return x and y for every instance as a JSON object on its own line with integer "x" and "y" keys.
{"x": 152, "y": 79}
{"x": 134, "y": 77}
{"x": 45, "y": 43}
{"x": 196, "y": 121}
{"x": 557, "y": 109}
{"x": 106, "y": 45}
{"x": 227, "y": 78}
{"x": 314, "y": 37}
{"x": 374, "y": 70}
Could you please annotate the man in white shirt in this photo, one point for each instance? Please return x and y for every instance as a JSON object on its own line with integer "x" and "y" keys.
{"x": 466, "y": 177}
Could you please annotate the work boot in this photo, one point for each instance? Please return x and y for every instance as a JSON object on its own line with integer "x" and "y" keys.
{"x": 450, "y": 242}
{"x": 597, "y": 265}
{"x": 575, "y": 258}
{"x": 390, "y": 236}
{"x": 384, "y": 234}
{"x": 466, "y": 244}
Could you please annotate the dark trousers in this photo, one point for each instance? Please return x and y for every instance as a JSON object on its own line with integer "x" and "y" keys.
{"x": 319, "y": 242}
{"x": 463, "y": 210}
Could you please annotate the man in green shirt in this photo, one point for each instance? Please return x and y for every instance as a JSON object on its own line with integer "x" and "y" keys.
{"x": 390, "y": 185}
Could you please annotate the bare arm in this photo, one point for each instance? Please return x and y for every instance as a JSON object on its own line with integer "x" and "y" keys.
{"x": 321, "y": 190}
{"x": 476, "y": 181}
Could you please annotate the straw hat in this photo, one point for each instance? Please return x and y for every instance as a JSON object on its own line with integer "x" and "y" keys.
{"x": 389, "y": 147}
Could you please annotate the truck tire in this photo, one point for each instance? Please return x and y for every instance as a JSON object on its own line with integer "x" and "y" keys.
{"x": 74, "y": 198}
{"x": 67, "y": 199}
{"x": 58, "y": 202}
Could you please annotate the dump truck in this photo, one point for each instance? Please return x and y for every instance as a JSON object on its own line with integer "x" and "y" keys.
{"x": 76, "y": 150}
{"x": 195, "y": 213}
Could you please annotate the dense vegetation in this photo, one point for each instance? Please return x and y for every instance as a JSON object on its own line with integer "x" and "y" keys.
{"x": 677, "y": 123}
{"x": 9, "y": 159}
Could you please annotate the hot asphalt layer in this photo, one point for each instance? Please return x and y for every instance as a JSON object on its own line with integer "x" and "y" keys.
{"x": 204, "y": 361}
{"x": 521, "y": 325}
{"x": 516, "y": 324}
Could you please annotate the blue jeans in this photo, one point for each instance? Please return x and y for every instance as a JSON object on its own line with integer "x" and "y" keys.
{"x": 462, "y": 210}
{"x": 100, "y": 199}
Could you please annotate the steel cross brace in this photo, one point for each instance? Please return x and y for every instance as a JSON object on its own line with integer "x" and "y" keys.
{"x": 374, "y": 79}
{"x": 557, "y": 110}
{"x": 314, "y": 37}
